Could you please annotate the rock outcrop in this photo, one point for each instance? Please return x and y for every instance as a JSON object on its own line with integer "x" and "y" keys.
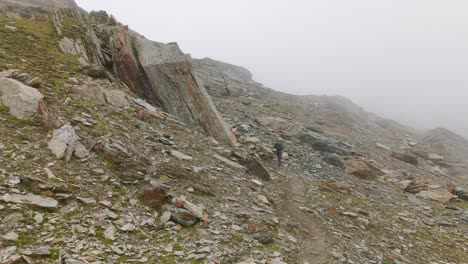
{"x": 158, "y": 72}
{"x": 222, "y": 78}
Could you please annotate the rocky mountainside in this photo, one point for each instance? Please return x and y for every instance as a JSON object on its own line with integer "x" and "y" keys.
{"x": 118, "y": 149}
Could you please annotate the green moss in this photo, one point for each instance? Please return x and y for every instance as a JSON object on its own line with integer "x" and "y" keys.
{"x": 4, "y": 108}
{"x": 26, "y": 239}
{"x": 71, "y": 214}
{"x": 34, "y": 49}
{"x": 100, "y": 236}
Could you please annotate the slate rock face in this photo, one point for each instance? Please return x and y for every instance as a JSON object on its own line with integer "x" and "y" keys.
{"x": 158, "y": 72}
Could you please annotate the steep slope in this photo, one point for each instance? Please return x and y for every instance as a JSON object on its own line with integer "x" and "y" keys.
{"x": 98, "y": 175}
{"x": 359, "y": 178}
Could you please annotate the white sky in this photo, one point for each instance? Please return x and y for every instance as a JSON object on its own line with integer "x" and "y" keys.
{"x": 403, "y": 59}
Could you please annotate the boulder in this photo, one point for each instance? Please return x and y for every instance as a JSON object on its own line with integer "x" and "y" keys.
{"x": 257, "y": 169}
{"x": 65, "y": 143}
{"x": 23, "y": 101}
{"x": 382, "y": 146}
{"x": 116, "y": 98}
{"x": 362, "y": 169}
{"x": 162, "y": 74}
{"x": 30, "y": 199}
{"x": 438, "y": 196}
{"x": 339, "y": 186}
{"x": 405, "y": 158}
{"x": 91, "y": 91}
{"x": 417, "y": 185}
{"x": 264, "y": 237}
{"x": 325, "y": 144}
{"x": 184, "y": 217}
{"x": 154, "y": 197}
{"x": 228, "y": 162}
{"x": 180, "y": 155}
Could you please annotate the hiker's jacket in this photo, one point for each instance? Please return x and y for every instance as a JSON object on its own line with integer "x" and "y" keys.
{"x": 279, "y": 146}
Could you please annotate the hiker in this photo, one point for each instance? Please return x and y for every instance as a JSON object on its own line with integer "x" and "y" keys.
{"x": 279, "y": 147}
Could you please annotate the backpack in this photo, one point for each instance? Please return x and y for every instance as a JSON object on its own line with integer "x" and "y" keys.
{"x": 278, "y": 146}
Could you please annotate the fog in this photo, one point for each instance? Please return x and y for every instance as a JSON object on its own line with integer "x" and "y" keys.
{"x": 402, "y": 59}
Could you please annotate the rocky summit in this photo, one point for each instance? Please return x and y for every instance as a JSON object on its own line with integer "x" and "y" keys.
{"x": 118, "y": 149}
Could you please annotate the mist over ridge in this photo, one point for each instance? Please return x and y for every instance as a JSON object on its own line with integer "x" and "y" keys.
{"x": 402, "y": 60}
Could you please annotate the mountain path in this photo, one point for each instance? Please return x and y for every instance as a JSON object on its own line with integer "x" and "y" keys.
{"x": 310, "y": 236}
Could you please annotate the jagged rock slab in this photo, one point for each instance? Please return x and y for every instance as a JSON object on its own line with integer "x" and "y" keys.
{"x": 405, "y": 158}
{"x": 162, "y": 74}
{"x": 228, "y": 162}
{"x": 324, "y": 144}
{"x": 65, "y": 143}
{"x": 257, "y": 169}
{"x": 22, "y": 100}
{"x": 31, "y": 199}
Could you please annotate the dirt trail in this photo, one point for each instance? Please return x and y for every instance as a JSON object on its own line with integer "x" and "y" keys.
{"x": 308, "y": 232}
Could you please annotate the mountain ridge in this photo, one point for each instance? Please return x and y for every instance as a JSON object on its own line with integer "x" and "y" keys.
{"x": 106, "y": 157}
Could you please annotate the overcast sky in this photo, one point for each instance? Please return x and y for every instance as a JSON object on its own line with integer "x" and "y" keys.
{"x": 402, "y": 59}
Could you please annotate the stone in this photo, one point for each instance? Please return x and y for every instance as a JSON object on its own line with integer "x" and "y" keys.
{"x": 11, "y": 236}
{"x": 64, "y": 142}
{"x": 382, "y": 146}
{"x": 165, "y": 217}
{"x": 91, "y": 91}
{"x": 180, "y": 155}
{"x": 164, "y": 74}
{"x": 38, "y": 252}
{"x": 194, "y": 209}
{"x": 340, "y": 186}
{"x": 252, "y": 140}
{"x": 257, "y": 182}
{"x": 334, "y": 159}
{"x": 461, "y": 193}
{"x": 325, "y": 144}
{"x": 35, "y": 82}
{"x": 154, "y": 197}
{"x": 263, "y": 199}
{"x": 433, "y": 156}
{"x": 184, "y": 217}
{"x": 128, "y": 227}
{"x": 417, "y": 185}
{"x": 31, "y": 199}
{"x": 438, "y": 196}
{"x": 362, "y": 169}
{"x": 50, "y": 174}
{"x": 256, "y": 168}
{"x": 12, "y": 220}
{"x": 87, "y": 201}
{"x": 116, "y": 98}
{"x": 81, "y": 151}
{"x": 94, "y": 71}
{"x": 22, "y": 101}
{"x": 39, "y": 218}
{"x": 12, "y": 28}
{"x": 264, "y": 237}
{"x": 228, "y": 162}
{"x": 405, "y": 158}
